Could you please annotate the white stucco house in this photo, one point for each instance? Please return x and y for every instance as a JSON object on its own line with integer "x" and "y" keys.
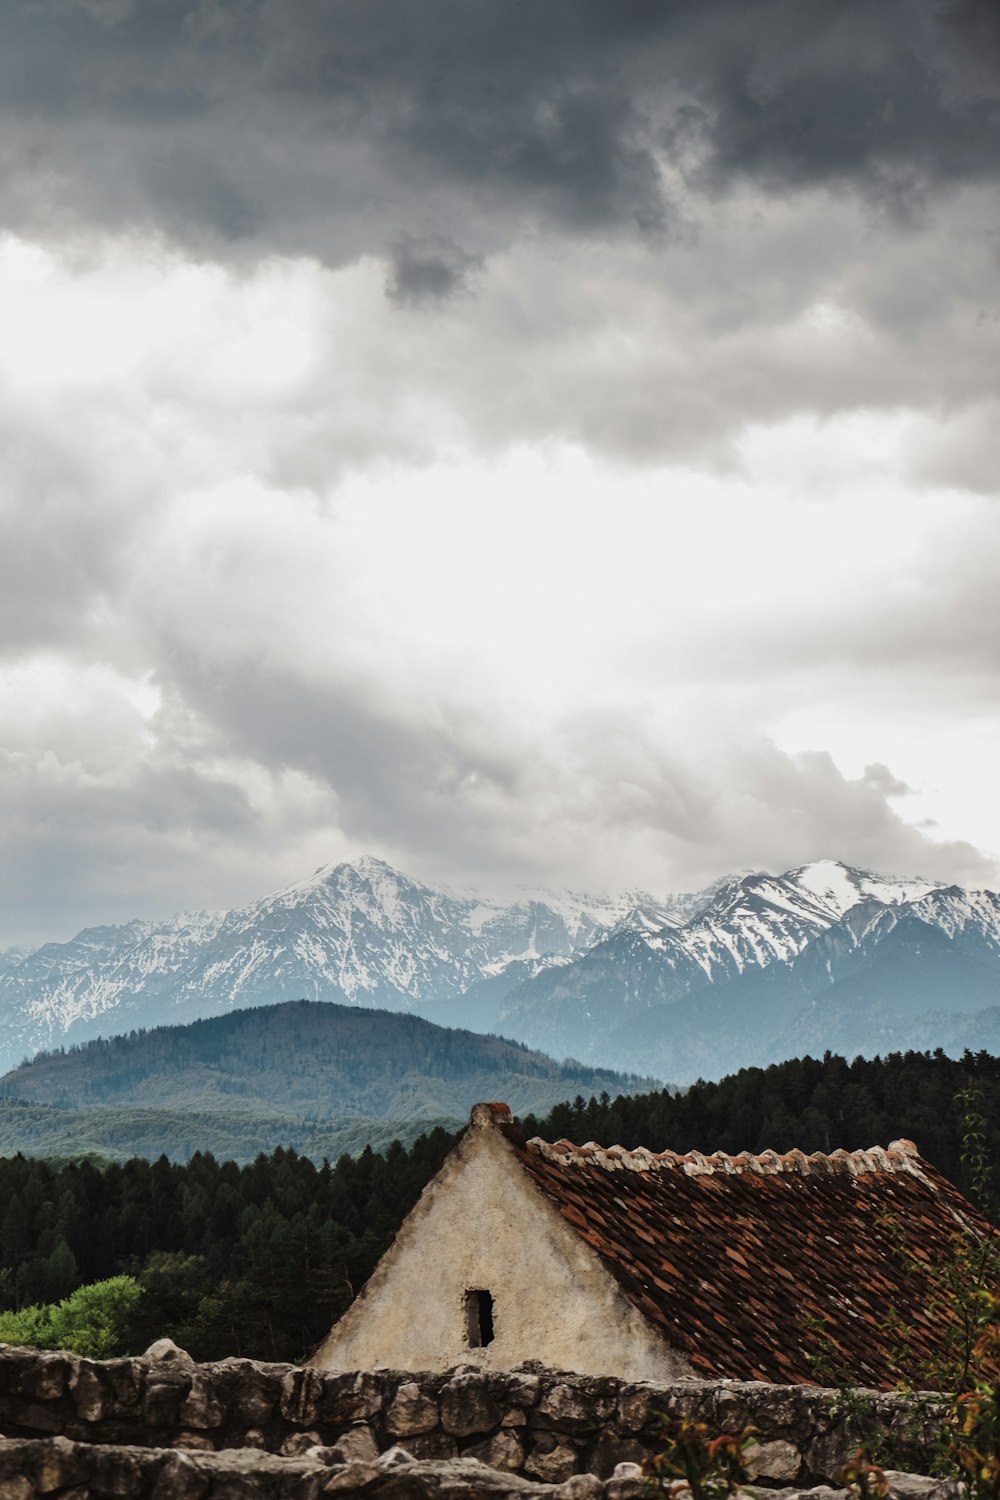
{"x": 656, "y": 1266}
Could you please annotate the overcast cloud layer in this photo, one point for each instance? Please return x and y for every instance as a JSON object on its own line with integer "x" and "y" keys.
{"x": 545, "y": 443}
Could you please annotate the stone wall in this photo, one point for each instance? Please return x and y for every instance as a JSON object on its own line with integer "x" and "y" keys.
{"x": 541, "y": 1424}
{"x": 56, "y": 1469}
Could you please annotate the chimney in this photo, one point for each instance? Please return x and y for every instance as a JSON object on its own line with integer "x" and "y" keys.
{"x": 489, "y": 1116}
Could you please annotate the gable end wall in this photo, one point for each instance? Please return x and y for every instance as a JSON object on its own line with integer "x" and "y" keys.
{"x": 483, "y": 1224}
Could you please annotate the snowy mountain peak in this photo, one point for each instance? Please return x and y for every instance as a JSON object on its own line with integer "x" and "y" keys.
{"x": 349, "y": 873}
{"x": 363, "y": 932}
{"x": 839, "y": 887}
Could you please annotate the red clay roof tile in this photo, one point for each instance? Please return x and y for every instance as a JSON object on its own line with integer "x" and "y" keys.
{"x": 748, "y": 1264}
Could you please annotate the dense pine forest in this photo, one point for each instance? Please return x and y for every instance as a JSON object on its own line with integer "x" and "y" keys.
{"x": 260, "y": 1259}
{"x": 814, "y": 1104}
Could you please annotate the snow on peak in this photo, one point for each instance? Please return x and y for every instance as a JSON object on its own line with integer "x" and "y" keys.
{"x": 833, "y": 884}
{"x": 840, "y": 887}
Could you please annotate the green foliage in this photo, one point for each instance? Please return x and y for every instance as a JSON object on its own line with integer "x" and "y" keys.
{"x": 95, "y": 1321}
{"x": 26, "y": 1325}
{"x": 974, "y": 1447}
{"x": 106, "y": 1134}
{"x": 690, "y": 1463}
{"x": 975, "y": 1146}
{"x": 963, "y": 1280}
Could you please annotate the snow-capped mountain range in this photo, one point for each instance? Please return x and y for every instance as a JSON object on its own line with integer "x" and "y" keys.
{"x": 755, "y": 968}
{"x": 360, "y": 933}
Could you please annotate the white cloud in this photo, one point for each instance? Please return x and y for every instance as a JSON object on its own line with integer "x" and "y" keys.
{"x": 619, "y": 569}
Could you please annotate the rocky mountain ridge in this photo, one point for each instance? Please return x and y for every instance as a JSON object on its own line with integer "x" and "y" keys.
{"x": 756, "y": 968}
{"x": 357, "y": 933}
{"x": 822, "y": 958}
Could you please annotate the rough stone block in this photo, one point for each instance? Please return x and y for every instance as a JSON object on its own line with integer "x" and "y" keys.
{"x": 46, "y": 1379}
{"x": 467, "y": 1406}
{"x": 522, "y": 1389}
{"x": 351, "y": 1398}
{"x": 56, "y": 1464}
{"x": 501, "y": 1451}
{"x": 355, "y": 1477}
{"x": 636, "y": 1407}
{"x": 166, "y": 1352}
{"x": 118, "y": 1473}
{"x": 357, "y": 1445}
{"x": 433, "y": 1445}
{"x": 301, "y": 1393}
{"x": 777, "y": 1460}
{"x": 825, "y": 1456}
{"x": 781, "y": 1411}
{"x": 626, "y": 1483}
{"x": 256, "y": 1396}
{"x": 919, "y": 1487}
{"x": 579, "y": 1487}
{"x": 732, "y": 1410}
{"x": 92, "y": 1395}
{"x": 178, "y": 1478}
{"x": 575, "y": 1409}
{"x": 202, "y": 1407}
{"x": 395, "y": 1457}
{"x": 38, "y": 1418}
{"x": 161, "y": 1402}
{"x": 550, "y": 1460}
{"x": 610, "y": 1450}
{"x": 126, "y": 1377}
{"x": 411, "y": 1412}
{"x": 300, "y": 1443}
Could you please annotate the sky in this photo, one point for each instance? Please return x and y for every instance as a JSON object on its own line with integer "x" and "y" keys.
{"x": 531, "y": 443}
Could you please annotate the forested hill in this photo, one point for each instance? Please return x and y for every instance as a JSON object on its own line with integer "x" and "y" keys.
{"x": 310, "y": 1060}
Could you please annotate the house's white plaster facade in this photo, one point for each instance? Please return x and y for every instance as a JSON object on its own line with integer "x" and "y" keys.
{"x": 482, "y": 1224}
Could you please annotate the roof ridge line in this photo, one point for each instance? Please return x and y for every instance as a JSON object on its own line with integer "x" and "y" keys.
{"x": 899, "y": 1156}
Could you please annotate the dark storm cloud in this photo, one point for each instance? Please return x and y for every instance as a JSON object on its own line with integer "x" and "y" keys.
{"x": 882, "y": 96}
{"x": 334, "y": 128}
{"x": 430, "y": 270}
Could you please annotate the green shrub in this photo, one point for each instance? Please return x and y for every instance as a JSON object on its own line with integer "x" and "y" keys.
{"x": 93, "y": 1321}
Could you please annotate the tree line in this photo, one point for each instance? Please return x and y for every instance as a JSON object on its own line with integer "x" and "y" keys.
{"x": 815, "y": 1104}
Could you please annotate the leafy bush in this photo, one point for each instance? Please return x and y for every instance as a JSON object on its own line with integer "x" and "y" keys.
{"x": 94, "y": 1321}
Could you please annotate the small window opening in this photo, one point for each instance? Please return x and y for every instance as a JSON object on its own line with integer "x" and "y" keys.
{"x": 479, "y": 1318}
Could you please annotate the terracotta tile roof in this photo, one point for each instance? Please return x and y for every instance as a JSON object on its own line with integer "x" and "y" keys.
{"x": 746, "y": 1263}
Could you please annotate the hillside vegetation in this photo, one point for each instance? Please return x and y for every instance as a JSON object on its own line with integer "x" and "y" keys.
{"x": 303, "y": 1074}
{"x": 118, "y": 1134}
{"x": 260, "y": 1259}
